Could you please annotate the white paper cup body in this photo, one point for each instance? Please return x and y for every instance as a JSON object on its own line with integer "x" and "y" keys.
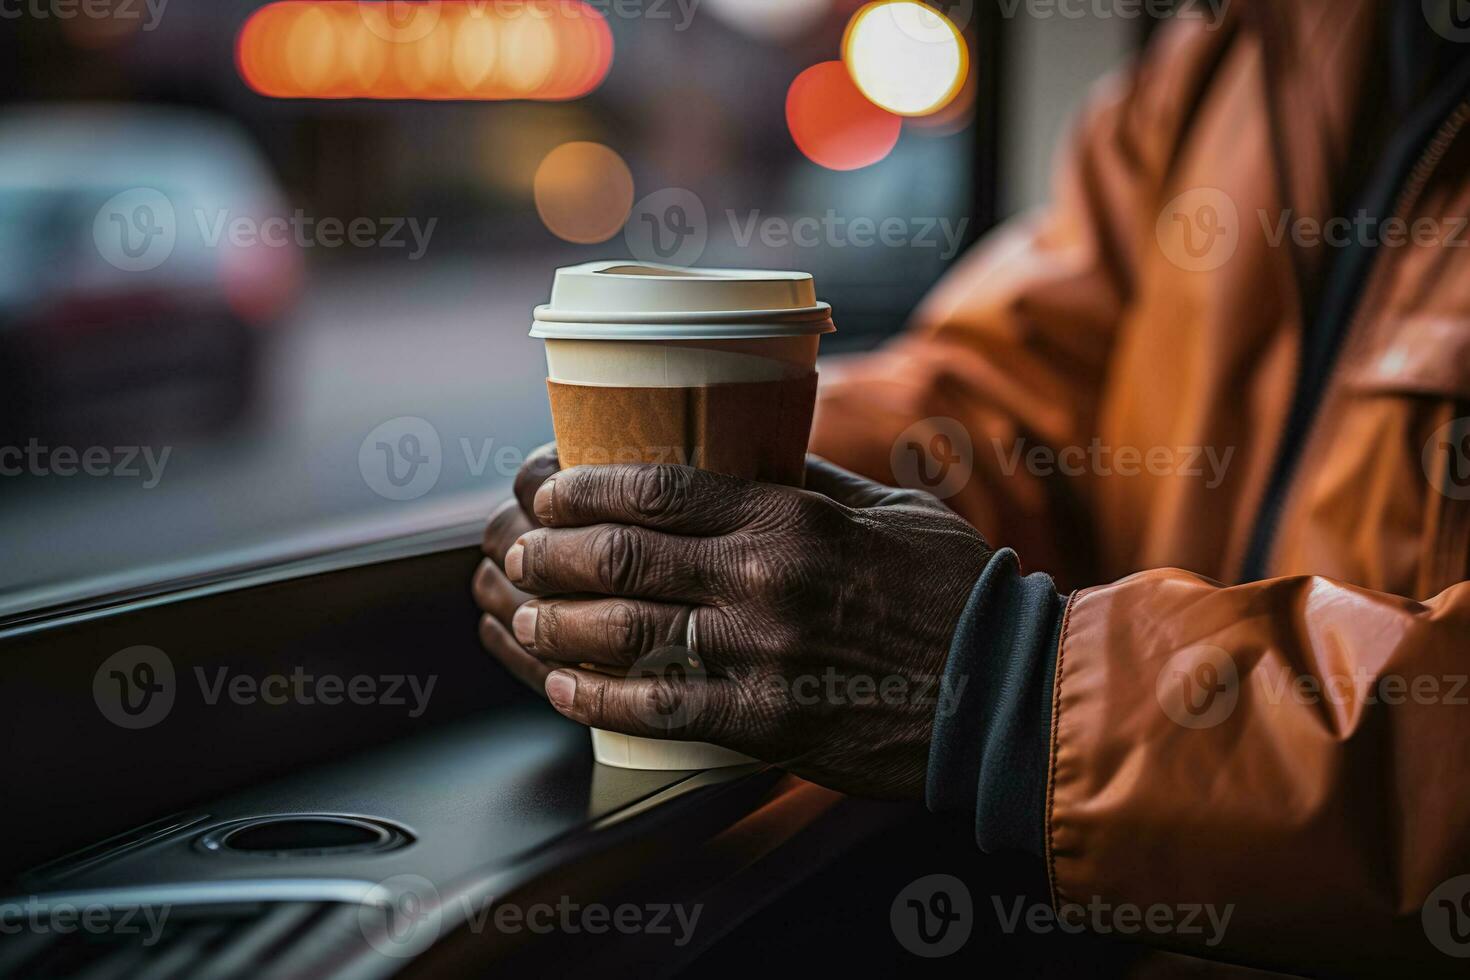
{"x": 662, "y": 754}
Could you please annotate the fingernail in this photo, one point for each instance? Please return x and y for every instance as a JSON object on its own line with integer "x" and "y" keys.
{"x": 561, "y": 688}
{"x": 523, "y": 624}
{"x": 544, "y": 503}
{"x": 514, "y": 559}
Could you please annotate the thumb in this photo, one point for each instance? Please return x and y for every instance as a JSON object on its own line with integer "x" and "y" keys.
{"x": 847, "y": 487}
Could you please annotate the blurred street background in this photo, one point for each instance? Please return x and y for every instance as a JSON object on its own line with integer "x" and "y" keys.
{"x": 266, "y": 270}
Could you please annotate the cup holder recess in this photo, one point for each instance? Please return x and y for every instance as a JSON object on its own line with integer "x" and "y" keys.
{"x": 304, "y": 835}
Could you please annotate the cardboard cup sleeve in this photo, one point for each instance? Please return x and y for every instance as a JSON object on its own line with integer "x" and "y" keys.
{"x": 754, "y": 430}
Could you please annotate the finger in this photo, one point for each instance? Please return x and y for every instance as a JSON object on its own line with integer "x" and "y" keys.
{"x": 506, "y": 524}
{"x": 608, "y": 632}
{"x": 645, "y": 706}
{"x": 612, "y": 559}
{"x": 540, "y": 464}
{"x": 497, "y": 639}
{"x": 494, "y": 594}
{"x": 853, "y": 490}
{"x": 679, "y": 499}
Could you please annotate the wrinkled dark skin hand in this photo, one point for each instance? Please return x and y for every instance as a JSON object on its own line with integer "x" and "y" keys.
{"x": 823, "y": 615}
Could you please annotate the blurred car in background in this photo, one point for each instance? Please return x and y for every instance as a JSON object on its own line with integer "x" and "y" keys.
{"x": 145, "y": 254}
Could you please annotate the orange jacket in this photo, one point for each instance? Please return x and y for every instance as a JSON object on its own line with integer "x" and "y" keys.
{"x": 1296, "y": 748}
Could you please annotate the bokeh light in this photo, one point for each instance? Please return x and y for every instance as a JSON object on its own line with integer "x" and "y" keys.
{"x": 834, "y": 124}
{"x": 959, "y": 114}
{"x": 528, "y": 53}
{"x": 907, "y": 57}
{"x": 544, "y": 50}
{"x": 584, "y": 192}
{"x": 476, "y": 51}
{"x": 770, "y": 20}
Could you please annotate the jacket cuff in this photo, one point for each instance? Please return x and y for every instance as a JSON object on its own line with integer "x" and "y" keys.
{"x": 992, "y": 732}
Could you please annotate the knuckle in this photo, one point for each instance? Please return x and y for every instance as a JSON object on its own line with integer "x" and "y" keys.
{"x": 533, "y": 549}
{"x": 757, "y": 573}
{"x": 628, "y": 630}
{"x": 675, "y": 704}
{"x": 597, "y": 704}
{"x": 548, "y": 625}
{"x": 663, "y": 702}
{"x": 656, "y": 491}
{"x": 619, "y": 559}
{"x": 772, "y": 573}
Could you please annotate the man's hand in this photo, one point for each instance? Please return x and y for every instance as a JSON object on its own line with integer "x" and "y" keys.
{"x": 493, "y": 591}
{"x": 822, "y": 617}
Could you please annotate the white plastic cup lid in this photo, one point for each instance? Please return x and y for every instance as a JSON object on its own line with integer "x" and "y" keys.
{"x": 642, "y": 301}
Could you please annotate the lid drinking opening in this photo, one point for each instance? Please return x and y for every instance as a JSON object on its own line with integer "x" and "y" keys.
{"x": 654, "y": 272}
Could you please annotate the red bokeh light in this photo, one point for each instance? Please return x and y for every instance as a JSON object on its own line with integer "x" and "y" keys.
{"x": 834, "y": 124}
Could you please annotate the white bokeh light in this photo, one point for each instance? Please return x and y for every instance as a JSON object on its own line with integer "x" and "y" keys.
{"x": 906, "y": 57}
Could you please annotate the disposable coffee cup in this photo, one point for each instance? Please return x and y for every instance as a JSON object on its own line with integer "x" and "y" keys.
{"x": 713, "y": 368}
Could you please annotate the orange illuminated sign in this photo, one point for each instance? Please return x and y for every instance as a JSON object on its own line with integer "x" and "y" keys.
{"x": 436, "y": 49}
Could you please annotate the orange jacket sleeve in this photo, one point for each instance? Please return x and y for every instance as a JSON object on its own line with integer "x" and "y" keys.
{"x": 1292, "y": 750}
{"x": 1010, "y": 350}
{"x": 1288, "y": 756}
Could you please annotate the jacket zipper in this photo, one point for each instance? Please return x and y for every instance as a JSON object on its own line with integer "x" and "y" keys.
{"x": 1283, "y": 487}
